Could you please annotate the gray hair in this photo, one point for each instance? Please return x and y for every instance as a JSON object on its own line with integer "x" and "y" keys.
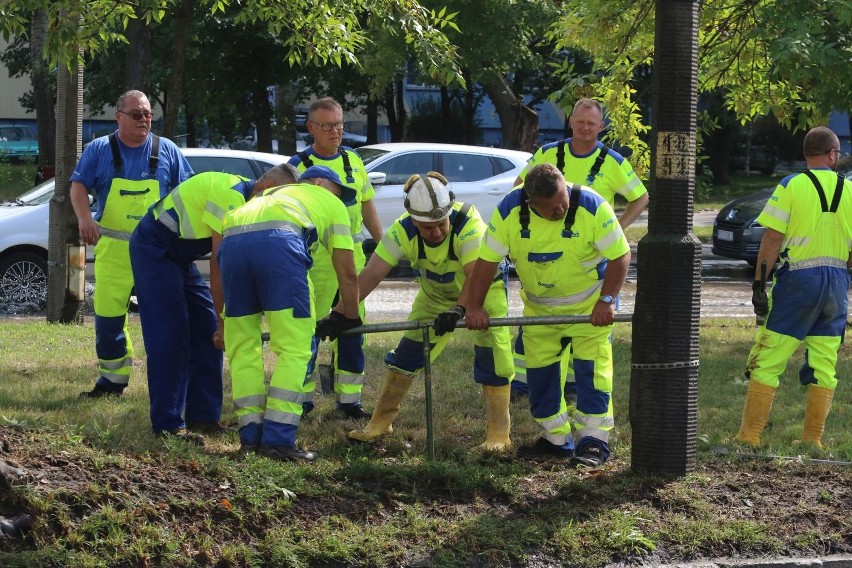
{"x": 282, "y": 174}
{"x": 132, "y": 94}
{"x": 325, "y": 103}
{"x": 543, "y": 181}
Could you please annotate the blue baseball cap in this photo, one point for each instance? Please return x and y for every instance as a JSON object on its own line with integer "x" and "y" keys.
{"x": 347, "y": 194}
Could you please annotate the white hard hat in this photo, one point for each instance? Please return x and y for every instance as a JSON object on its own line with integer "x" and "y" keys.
{"x": 427, "y": 197}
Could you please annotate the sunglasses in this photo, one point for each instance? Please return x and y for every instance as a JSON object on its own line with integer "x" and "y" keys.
{"x": 138, "y": 114}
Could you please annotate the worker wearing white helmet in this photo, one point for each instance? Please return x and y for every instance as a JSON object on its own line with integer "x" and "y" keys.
{"x": 440, "y": 237}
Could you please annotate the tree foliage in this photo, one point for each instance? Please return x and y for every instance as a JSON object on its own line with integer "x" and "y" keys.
{"x": 787, "y": 58}
{"x": 314, "y": 32}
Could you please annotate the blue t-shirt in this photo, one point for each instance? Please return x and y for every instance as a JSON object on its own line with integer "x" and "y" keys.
{"x": 96, "y": 170}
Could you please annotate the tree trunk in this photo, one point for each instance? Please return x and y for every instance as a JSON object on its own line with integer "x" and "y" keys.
{"x": 664, "y": 376}
{"x": 372, "y": 121}
{"x": 263, "y": 118}
{"x": 445, "y": 129}
{"x": 138, "y": 54}
{"x": 63, "y": 305}
{"x": 191, "y": 131}
{"x": 395, "y": 107}
{"x": 470, "y": 106}
{"x": 42, "y": 94}
{"x": 285, "y": 112}
{"x": 174, "y": 97}
{"x": 719, "y": 154}
{"x": 518, "y": 122}
{"x": 718, "y": 144}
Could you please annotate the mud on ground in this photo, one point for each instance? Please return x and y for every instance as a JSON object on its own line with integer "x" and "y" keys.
{"x": 799, "y": 502}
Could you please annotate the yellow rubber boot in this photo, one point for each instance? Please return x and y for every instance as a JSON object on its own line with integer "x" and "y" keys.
{"x": 758, "y": 403}
{"x": 497, "y": 413}
{"x": 385, "y": 411}
{"x": 816, "y": 411}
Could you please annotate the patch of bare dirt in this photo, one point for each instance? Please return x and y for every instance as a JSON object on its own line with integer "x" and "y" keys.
{"x": 792, "y": 498}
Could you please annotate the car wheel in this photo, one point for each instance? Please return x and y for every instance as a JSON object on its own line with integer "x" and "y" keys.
{"x": 23, "y": 279}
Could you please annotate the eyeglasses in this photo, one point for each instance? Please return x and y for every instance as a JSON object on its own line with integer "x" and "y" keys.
{"x": 329, "y": 126}
{"x": 138, "y": 114}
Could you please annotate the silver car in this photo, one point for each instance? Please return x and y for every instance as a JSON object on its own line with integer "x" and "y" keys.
{"x": 478, "y": 175}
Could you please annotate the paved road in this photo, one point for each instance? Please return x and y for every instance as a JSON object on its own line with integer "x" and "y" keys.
{"x": 702, "y": 218}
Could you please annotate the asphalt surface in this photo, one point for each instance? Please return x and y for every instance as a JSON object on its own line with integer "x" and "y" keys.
{"x": 702, "y": 218}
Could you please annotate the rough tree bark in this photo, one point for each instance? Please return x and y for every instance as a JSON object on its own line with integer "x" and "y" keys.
{"x": 62, "y": 306}
{"x": 519, "y": 123}
{"x": 43, "y": 95}
{"x": 285, "y": 112}
{"x": 372, "y": 121}
{"x": 395, "y": 107}
{"x": 174, "y": 96}
{"x": 138, "y": 54}
{"x": 263, "y": 117}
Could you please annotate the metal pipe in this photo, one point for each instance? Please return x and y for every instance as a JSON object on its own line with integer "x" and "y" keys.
{"x": 426, "y": 326}
{"x": 495, "y": 322}
{"x": 427, "y": 385}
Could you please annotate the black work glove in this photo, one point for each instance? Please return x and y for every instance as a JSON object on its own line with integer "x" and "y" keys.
{"x": 334, "y": 324}
{"x": 446, "y": 321}
{"x": 759, "y": 299}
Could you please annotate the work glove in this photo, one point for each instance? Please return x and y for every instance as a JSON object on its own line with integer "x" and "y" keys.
{"x": 334, "y": 324}
{"x": 759, "y": 299}
{"x": 446, "y": 321}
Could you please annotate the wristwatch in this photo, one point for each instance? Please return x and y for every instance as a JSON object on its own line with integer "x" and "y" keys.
{"x": 607, "y": 299}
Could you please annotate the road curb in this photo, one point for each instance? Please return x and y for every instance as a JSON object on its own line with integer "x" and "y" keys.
{"x": 834, "y": 561}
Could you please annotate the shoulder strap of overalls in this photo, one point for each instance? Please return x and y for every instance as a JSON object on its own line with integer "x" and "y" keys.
{"x": 116, "y": 153}
{"x": 573, "y": 205}
{"x": 303, "y": 155}
{"x": 570, "y": 216}
{"x": 154, "y": 159}
{"x": 347, "y": 167}
{"x": 596, "y": 167}
{"x": 835, "y": 200}
{"x": 458, "y": 222}
{"x": 560, "y": 156}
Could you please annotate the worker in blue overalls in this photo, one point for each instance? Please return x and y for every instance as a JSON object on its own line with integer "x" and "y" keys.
{"x": 176, "y": 306}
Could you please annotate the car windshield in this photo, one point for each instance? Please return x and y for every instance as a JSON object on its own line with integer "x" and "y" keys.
{"x": 369, "y": 154}
{"x": 16, "y": 133}
{"x": 37, "y": 195}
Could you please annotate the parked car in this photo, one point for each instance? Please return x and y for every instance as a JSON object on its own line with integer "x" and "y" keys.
{"x": 736, "y": 233}
{"x": 18, "y": 143}
{"x": 477, "y": 175}
{"x": 24, "y": 222}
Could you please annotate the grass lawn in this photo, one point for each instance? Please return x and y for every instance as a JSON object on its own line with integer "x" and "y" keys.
{"x": 105, "y": 492}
